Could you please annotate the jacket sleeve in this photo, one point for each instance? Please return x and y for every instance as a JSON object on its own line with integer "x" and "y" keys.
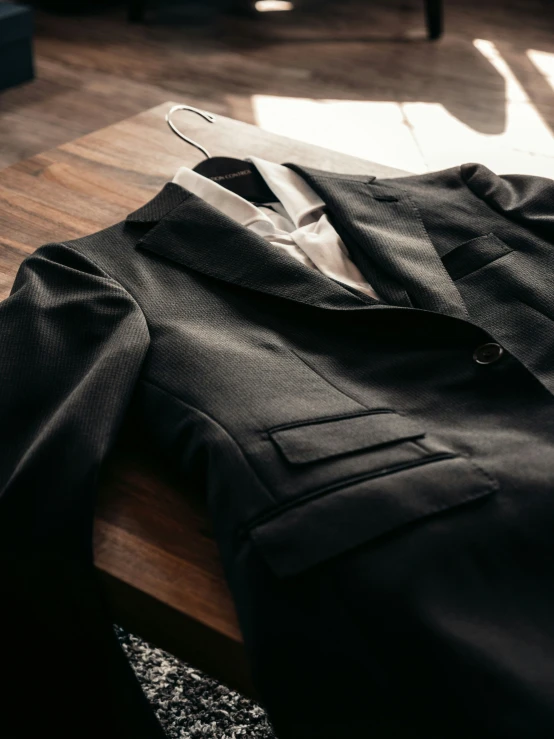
{"x": 72, "y": 342}
{"x": 526, "y": 199}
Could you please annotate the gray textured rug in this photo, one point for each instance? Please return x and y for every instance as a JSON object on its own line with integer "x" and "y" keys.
{"x": 189, "y": 704}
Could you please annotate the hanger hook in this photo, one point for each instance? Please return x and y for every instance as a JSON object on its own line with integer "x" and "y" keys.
{"x": 207, "y": 116}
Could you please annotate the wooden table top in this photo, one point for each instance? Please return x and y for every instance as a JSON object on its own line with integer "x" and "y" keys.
{"x": 153, "y": 541}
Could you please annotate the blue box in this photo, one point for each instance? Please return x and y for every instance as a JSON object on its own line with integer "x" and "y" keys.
{"x": 16, "y": 47}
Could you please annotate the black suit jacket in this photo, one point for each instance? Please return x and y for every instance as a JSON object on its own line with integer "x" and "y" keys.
{"x": 382, "y": 502}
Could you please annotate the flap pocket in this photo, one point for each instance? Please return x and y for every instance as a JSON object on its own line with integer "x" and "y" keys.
{"x": 308, "y": 442}
{"x": 474, "y": 254}
{"x": 310, "y": 531}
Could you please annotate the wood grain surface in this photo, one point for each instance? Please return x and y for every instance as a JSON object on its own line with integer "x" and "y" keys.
{"x": 380, "y": 86}
{"x": 153, "y": 538}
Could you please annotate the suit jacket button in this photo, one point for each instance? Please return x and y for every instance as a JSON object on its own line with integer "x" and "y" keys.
{"x": 488, "y": 353}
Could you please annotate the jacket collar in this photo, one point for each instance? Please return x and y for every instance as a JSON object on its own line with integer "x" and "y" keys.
{"x": 186, "y": 229}
{"x": 378, "y": 222}
{"x": 161, "y": 204}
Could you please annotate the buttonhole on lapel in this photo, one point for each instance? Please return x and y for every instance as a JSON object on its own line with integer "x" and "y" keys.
{"x": 386, "y": 198}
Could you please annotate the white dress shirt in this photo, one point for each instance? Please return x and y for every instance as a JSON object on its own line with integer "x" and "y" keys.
{"x": 296, "y": 222}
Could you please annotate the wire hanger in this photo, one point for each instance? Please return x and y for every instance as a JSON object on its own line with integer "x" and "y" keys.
{"x": 207, "y": 116}
{"x": 236, "y": 175}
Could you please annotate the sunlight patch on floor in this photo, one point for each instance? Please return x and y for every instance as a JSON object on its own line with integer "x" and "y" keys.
{"x": 422, "y": 136}
{"x": 544, "y": 62}
{"x": 371, "y": 130}
{"x": 273, "y": 6}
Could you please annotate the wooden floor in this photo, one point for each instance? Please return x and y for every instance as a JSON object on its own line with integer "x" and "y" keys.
{"x": 354, "y": 76}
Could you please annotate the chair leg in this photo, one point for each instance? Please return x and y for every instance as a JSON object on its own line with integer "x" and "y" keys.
{"x": 434, "y": 18}
{"x": 136, "y": 11}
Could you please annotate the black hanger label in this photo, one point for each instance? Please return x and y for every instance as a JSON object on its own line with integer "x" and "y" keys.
{"x": 231, "y": 175}
{"x": 238, "y": 176}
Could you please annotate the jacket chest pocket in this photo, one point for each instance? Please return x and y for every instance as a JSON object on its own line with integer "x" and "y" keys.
{"x": 343, "y": 481}
{"x": 467, "y": 258}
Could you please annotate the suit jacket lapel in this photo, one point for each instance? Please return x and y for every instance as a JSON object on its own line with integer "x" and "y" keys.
{"x": 378, "y": 222}
{"x": 193, "y": 233}
{"x": 383, "y": 230}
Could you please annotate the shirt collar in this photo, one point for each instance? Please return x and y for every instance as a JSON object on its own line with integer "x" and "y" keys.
{"x": 229, "y": 203}
{"x": 293, "y": 192}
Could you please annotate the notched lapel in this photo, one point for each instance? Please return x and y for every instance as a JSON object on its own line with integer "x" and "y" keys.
{"x": 161, "y": 204}
{"x": 399, "y": 239}
{"x": 379, "y": 223}
{"x": 383, "y": 230}
{"x": 198, "y": 236}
